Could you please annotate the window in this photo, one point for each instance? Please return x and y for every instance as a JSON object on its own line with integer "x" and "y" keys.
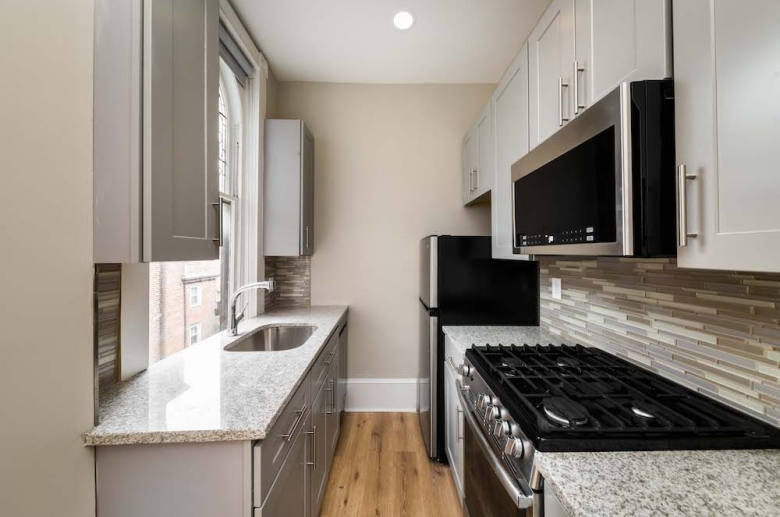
{"x": 196, "y": 295}
{"x": 190, "y": 268}
{"x": 194, "y": 333}
{"x": 186, "y": 298}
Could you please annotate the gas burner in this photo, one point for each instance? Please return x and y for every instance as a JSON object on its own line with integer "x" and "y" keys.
{"x": 565, "y": 412}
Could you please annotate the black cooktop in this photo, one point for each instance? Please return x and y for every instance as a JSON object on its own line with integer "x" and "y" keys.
{"x": 572, "y": 398}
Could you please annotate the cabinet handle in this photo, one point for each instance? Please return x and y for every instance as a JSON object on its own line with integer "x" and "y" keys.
{"x": 290, "y": 434}
{"x": 306, "y": 230}
{"x": 452, "y": 363}
{"x": 330, "y": 358}
{"x": 471, "y": 180}
{"x": 313, "y": 447}
{"x": 577, "y": 106}
{"x": 218, "y": 207}
{"x": 476, "y": 177}
{"x": 330, "y": 397}
{"x": 561, "y": 86}
{"x": 682, "y": 206}
{"x": 458, "y": 412}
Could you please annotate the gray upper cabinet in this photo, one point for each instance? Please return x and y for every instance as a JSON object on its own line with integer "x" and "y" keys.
{"x": 550, "y": 59}
{"x": 510, "y": 116}
{"x": 727, "y": 105}
{"x": 478, "y": 154}
{"x": 288, "y": 223}
{"x": 156, "y": 190}
{"x": 619, "y": 41}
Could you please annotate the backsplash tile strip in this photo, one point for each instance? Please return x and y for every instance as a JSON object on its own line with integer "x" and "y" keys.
{"x": 293, "y": 281}
{"x": 107, "y": 319}
{"x": 717, "y": 332}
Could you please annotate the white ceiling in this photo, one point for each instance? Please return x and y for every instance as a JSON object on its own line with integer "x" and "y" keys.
{"x": 452, "y": 41}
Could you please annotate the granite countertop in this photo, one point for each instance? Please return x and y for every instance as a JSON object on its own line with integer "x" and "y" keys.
{"x": 669, "y": 483}
{"x": 465, "y": 337}
{"x": 205, "y": 394}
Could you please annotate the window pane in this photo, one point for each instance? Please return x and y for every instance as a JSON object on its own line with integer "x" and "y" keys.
{"x": 184, "y": 306}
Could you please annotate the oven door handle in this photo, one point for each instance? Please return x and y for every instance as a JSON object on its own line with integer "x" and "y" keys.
{"x": 521, "y": 499}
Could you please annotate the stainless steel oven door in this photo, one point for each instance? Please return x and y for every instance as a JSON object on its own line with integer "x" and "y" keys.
{"x": 490, "y": 489}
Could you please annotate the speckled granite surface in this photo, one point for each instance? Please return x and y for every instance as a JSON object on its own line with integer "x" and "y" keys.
{"x": 465, "y": 337}
{"x": 204, "y": 394}
{"x": 668, "y": 483}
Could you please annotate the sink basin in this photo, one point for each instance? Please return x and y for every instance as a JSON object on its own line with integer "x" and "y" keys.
{"x": 272, "y": 339}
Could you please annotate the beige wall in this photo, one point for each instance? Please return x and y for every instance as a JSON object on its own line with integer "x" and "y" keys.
{"x": 46, "y": 375}
{"x": 387, "y": 174}
{"x": 271, "y": 96}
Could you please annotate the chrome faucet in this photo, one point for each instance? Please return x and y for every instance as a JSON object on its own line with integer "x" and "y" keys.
{"x": 268, "y": 285}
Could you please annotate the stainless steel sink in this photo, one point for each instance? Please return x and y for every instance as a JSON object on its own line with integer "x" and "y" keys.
{"x": 272, "y": 339}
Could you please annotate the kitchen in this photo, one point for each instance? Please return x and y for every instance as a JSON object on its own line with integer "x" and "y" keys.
{"x": 313, "y": 313}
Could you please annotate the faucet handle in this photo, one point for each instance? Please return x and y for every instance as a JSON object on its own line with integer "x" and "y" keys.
{"x": 240, "y": 315}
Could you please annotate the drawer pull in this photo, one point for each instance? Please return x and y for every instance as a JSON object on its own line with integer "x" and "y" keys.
{"x": 458, "y": 412}
{"x": 314, "y": 448}
{"x": 297, "y": 422}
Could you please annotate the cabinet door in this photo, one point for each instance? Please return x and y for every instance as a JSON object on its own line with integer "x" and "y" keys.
{"x": 551, "y": 57}
{"x": 319, "y": 467}
{"x": 289, "y": 495}
{"x": 727, "y": 131}
{"x": 343, "y": 344}
{"x": 307, "y": 193}
{"x": 452, "y": 418}
{"x": 618, "y": 41}
{"x": 180, "y": 124}
{"x": 510, "y": 115}
{"x": 485, "y": 150}
{"x": 469, "y": 159}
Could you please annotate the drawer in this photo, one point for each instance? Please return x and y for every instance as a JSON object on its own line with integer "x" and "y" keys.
{"x": 453, "y": 357}
{"x": 321, "y": 369}
{"x": 270, "y": 453}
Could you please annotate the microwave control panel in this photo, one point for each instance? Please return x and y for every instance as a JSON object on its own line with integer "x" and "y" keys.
{"x": 575, "y": 236}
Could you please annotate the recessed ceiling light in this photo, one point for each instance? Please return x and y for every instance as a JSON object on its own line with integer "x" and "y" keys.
{"x": 403, "y": 20}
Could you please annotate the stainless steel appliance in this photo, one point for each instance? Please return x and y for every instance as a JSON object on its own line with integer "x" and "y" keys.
{"x": 522, "y": 399}
{"x": 605, "y": 183}
{"x": 460, "y": 284}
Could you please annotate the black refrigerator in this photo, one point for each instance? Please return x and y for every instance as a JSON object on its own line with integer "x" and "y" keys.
{"x": 461, "y": 284}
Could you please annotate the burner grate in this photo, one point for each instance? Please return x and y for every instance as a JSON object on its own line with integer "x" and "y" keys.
{"x": 573, "y": 391}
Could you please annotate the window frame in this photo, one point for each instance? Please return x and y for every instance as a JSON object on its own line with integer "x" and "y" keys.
{"x": 199, "y": 333}
{"x": 198, "y": 290}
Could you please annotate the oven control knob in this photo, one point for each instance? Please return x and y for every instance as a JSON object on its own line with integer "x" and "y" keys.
{"x": 483, "y": 401}
{"x": 500, "y": 429}
{"x": 505, "y": 415}
{"x": 514, "y": 447}
{"x": 493, "y": 412}
{"x": 464, "y": 370}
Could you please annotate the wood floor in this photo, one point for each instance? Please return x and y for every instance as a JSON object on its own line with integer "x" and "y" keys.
{"x": 380, "y": 468}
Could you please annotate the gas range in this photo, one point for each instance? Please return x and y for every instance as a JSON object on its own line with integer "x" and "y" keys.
{"x": 524, "y": 399}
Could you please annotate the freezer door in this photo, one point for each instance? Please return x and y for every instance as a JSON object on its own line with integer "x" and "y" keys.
{"x": 427, "y": 381}
{"x": 429, "y": 256}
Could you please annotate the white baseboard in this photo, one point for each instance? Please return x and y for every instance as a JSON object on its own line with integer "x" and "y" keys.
{"x": 381, "y": 395}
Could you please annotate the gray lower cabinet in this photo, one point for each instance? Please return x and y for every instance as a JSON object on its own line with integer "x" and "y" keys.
{"x": 288, "y": 496}
{"x": 283, "y": 475}
{"x": 319, "y": 449}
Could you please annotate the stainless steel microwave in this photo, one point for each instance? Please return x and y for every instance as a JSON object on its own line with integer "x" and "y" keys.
{"x": 604, "y": 184}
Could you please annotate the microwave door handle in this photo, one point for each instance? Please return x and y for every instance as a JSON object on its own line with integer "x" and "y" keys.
{"x": 682, "y": 206}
